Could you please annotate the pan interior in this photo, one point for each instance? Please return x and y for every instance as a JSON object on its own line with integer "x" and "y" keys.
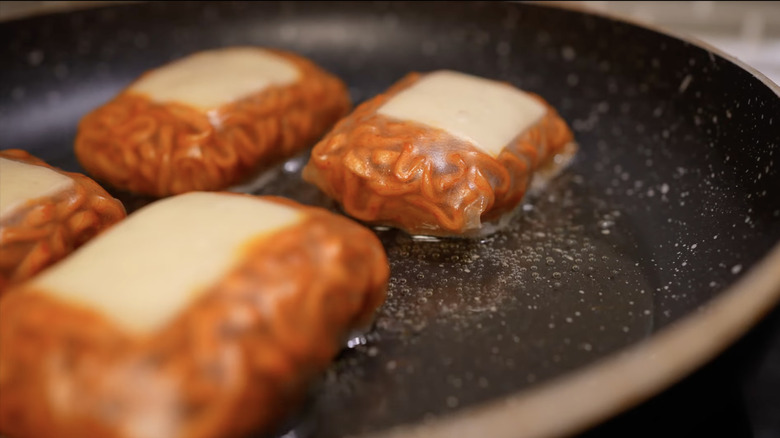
{"x": 672, "y": 197}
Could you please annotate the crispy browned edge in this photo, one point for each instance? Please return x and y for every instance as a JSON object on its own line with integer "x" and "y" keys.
{"x": 392, "y": 172}
{"x": 237, "y": 360}
{"x": 161, "y": 149}
{"x": 47, "y": 229}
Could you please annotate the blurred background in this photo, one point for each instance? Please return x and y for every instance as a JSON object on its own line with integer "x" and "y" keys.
{"x": 749, "y": 31}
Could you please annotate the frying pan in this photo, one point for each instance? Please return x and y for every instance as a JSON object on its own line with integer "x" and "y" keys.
{"x": 654, "y": 251}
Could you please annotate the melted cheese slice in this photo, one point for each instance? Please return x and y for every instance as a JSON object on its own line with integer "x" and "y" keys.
{"x": 209, "y": 79}
{"x": 486, "y": 113}
{"x": 145, "y": 270}
{"x": 22, "y": 182}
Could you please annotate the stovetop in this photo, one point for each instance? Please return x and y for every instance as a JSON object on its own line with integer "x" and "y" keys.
{"x": 737, "y": 396}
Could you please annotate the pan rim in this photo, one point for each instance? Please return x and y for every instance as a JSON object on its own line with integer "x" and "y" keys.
{"x": 575, "y": 401}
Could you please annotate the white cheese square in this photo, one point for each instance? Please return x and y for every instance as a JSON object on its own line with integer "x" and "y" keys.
{"x": 146, "y": 269}
{"x": 210, "y": 79}
{"x": 486, "y": 113}
{"x": 21, "y": 182}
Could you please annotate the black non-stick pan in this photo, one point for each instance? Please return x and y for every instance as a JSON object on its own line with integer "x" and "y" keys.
{"x": 656, "y": 249}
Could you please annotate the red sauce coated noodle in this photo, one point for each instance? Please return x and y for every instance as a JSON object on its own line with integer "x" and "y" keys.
{"x": 422, "y": 179}
{"x": 47, "y": 229}
{"x": 235, "y": 361}
{"x": 162, "y": 149}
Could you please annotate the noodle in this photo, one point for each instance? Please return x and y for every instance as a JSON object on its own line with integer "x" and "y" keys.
{"x": 422, "y": 179}
{"x": 235, "y": 361}
{"x": 48, "y": 229}
{"x": 162, "y": 149}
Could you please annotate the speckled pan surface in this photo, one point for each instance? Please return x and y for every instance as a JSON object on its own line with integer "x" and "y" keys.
{"x": 671, "y": 205}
